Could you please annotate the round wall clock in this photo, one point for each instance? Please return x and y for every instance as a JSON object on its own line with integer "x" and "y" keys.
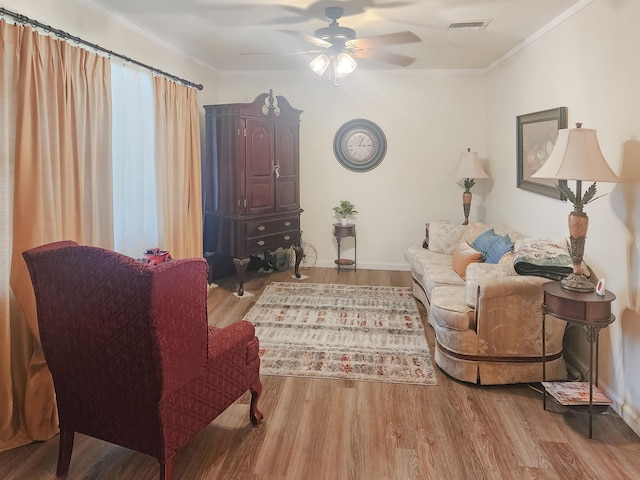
{"x": 360, "y": 145}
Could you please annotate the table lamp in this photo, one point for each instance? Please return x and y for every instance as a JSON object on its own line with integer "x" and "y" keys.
{"x": 576, "y": 155}
{"x": 468, "y": 168}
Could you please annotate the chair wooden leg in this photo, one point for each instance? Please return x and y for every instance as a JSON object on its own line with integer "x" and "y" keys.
{"x": 166, "y": 468}
{"x": 64, "y": 452}
{"x": 255, "y": 415}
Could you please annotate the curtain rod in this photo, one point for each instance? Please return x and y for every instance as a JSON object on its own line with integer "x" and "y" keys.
{"x": 65, "y": 36}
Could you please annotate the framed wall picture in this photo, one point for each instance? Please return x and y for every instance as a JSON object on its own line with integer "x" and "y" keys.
{"x": 536, "y": 135}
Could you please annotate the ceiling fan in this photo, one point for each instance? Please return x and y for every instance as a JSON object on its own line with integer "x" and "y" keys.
{"x": 339, "y": 47}
{"x": 317, "y": 9}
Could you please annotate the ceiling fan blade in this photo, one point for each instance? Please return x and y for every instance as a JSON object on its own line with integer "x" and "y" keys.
{"x": 386, "y": 39}
{"x": 284, "y": 21}
{"x": 386, "y": 57}
{"x": 299, "y": 52}
{"x": 308, "y": 38}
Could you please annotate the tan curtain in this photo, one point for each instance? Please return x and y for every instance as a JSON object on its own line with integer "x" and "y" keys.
{"x": 8, "y": 75}
{"x": 62, "y": 190}
{"x": 177, "y": 147}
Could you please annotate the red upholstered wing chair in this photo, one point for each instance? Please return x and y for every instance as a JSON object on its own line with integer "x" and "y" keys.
{"x": 133, "y": 360}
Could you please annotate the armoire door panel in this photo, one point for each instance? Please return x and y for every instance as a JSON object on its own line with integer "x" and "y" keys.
{"x": 260, "y": 148}
{"x": 260, "y": 159}
{"x": 287, "y": 195}
{"x": 260, "y": 198}
{"x": 287, "y": 183}
{"x": 287, "y": 148}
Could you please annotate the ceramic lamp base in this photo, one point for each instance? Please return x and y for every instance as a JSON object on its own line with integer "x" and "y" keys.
{"x": 577, "y": 283}
{"x": 466, "y": 206}
{"x": 578, "y": 226}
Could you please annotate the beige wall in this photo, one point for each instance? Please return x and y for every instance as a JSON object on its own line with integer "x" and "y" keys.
{"x": 428, "y": 120}
{"x": 590, "y": 64}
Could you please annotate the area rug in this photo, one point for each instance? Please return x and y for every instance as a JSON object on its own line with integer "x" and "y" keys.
{"x": 350, "y": 332}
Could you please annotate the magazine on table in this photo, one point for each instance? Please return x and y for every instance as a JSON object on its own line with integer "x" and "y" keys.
{"x": 575, "y": 393}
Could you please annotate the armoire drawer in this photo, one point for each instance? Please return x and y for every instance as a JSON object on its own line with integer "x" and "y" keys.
{"x": 257, "y": 228}
{"x": 272, "y": 242}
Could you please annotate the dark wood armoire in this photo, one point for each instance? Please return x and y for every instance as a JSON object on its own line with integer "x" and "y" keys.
{"x": 251, "y": 182}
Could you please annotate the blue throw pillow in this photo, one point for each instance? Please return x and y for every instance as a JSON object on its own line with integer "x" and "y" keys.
{"x": 501, "y": 246}
{"x": 484, "y": 241}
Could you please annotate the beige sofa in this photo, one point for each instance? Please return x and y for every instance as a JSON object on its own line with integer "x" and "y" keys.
{"x": 487, "y": 325}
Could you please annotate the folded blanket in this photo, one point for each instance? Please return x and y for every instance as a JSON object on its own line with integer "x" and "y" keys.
{"x": 542, "y": 258}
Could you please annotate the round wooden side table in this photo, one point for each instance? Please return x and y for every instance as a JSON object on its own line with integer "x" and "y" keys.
{"x": 589, "y": 310}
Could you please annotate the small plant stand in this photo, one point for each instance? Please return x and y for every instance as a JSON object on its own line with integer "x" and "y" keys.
{"x": 342, "y": 231}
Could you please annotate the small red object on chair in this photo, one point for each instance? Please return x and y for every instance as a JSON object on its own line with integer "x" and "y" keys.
{"x": 155, "y": 256}
{"x": 133, "y": 359}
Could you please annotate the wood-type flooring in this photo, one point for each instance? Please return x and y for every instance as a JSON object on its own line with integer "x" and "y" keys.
{"x": 335, "y": 429}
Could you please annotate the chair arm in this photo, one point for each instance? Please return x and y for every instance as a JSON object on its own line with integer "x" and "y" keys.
{"x": 509, "y": 317}
{"x": 512, "y": 285}
{"x": 232, "y": 341}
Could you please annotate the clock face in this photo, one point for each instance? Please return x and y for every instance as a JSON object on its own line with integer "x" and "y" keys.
{"x": 359, "y": 145}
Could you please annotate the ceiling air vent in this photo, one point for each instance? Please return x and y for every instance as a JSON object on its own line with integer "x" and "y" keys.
{"x": 469, "y": 25}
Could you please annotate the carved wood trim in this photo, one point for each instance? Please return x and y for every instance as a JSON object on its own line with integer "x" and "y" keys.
{"x": 496, "y": 358}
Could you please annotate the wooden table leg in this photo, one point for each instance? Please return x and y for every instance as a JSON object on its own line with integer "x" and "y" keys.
{"x": 241, "y": 265}
{"x": 544, "y": 356}
{"x": 299, "y": 254}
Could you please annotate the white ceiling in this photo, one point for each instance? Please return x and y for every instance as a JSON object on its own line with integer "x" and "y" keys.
{"x": 237, "y": 35}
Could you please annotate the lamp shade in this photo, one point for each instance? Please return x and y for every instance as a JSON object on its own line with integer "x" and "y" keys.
{"x": 469, "y": 166}
{"x": 319, "y": 64}
{"x": 344, "y": 65}
{"x": 576, "y": 155}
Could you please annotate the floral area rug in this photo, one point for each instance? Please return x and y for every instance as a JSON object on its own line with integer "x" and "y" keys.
{"x": 350, "y": 332}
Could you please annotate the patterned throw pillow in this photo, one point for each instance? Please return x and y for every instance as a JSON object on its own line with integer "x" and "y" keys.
{"x": 484, "y": 241}
{"x": 463, "y": 255}
{"x": 444, "y": 236}
{"x": 498, "y": 248}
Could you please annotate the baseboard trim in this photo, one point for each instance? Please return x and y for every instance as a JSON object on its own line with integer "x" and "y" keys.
{"x": 630, "y": 416}
{"x": 401, "y": 267}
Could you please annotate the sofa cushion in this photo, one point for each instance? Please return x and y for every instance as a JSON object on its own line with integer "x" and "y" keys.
{"x": 438, "y": 275}
{"x": 449, "y": 309}
{"x": 501, "y": 246}
{"x": 463, "y": 255}
{"x": 444, "y": 236}
{"x": 420, "y": 259}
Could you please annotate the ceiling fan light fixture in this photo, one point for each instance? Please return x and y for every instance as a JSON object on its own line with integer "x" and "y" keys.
{"x": 345, "y": 64}
{"x": 319, "y": 64}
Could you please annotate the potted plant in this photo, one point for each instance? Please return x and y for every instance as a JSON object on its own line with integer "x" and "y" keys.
{"x": 344, "y": 209}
